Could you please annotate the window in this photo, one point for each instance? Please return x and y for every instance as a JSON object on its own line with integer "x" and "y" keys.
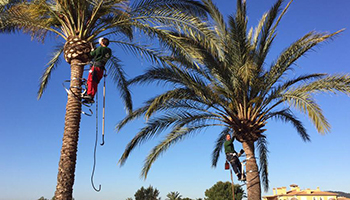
{"x": 314, "y": 198}
{"x": 321, "y": 198}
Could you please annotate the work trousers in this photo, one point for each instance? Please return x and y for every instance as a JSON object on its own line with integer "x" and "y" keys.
{"x": 235, "y": 163}
{"x": 95, "y": 75}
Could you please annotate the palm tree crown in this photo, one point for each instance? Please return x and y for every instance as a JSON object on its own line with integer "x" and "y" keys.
{"x": 233, "y": 87}
{"x": 81, "y": 22}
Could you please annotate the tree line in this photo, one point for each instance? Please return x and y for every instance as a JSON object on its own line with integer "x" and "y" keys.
{"x": 219, "y": 191}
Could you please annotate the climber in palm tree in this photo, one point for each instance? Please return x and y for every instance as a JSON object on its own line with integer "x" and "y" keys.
{"x": 100, "y": 58}
{"x": 78, "y": 23}
{"x": 233, "y": 157}
{"x": 236, "y": 88}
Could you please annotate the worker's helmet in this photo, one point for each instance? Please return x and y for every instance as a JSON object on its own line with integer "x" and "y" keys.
{"x": 100, "y": 40}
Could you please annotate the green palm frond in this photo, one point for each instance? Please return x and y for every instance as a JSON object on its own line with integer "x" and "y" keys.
{"x": 33, "y": 18}
{"x": 332, "y": 84}
{"x": 152, "y": 128}
{"x": 166, "y": 74}
{"x": 169, "y": 97}
{"x": 220, "y": 25}
{"x": 158, "y": 124}
{"x": 194, "y": 8}
{"x": 117, "y": 24}
{"x": 263, "y": 161}
{"x": 266, "y": 36}
{"x": 176, "y": 43}
{"x": 306, "y": 104}
{"x": 142, "y": 51}
{"x": 115, "y": 69}
{"x": 131, "y": 116}
{"x": 218, "y": 146}
{"x": 287, "y": 116}
{"x": 173, "y": 74}
{"x": 177, "y": 134}
{"x": 275, "y": 93}
{"x": 52, "y": 65}
{"x": 293, "y": 53}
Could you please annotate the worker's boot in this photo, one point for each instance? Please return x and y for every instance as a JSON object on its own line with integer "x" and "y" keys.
{"x": 87, "y": 98}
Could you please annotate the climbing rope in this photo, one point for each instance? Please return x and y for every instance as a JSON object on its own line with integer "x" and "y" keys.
{"x": 69, "y": 91}
{"x": 95, "y": 149}
{"x": 96, "y": 139}
{"x": 103, "y": 110}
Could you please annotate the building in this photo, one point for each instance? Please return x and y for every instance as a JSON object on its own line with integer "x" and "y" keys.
{"x": 296, "y": 193}
{"x": 343, "y": 198}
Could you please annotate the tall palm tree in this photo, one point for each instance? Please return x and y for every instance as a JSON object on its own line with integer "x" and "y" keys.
{"x": 79, "y": 23}
{"x": 234, "y": 88}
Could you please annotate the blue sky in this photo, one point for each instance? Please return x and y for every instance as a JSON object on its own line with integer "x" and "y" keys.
{"x": 31, "y": 130}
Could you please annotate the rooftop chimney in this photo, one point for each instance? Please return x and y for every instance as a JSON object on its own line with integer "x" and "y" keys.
{"x": 294, "y": 187}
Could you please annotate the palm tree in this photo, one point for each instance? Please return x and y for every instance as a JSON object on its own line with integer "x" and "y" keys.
{"x": 173, "y": 196}
{"x": 79, "y": 23}
{"x": 234, "y": 88}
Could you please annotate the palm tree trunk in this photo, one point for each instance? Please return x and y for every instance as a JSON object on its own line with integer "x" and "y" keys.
{"x": 252, "y": 172}
{"x": 67, "y": 163}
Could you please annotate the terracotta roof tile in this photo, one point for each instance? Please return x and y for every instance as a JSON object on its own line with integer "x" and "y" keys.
{"x": 314, "y": 193}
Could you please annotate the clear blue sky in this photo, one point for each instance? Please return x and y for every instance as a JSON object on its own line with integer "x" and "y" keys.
{"x": 31, "y": 131}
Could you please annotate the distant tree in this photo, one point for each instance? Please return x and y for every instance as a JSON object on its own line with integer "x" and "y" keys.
{"x": 149, "y": 193}
{"x": 186, "y": 198}
{"x": 129, "y": 198}
{"x": 222, "y": 190}
{"x": 340, "y": 193}
{"x": 42, "y": 198}
{"x": 173, "y": 196}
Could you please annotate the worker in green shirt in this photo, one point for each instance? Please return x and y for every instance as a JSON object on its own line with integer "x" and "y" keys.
{"x": 100, "y": 57}
{"x": 232, "y": 157}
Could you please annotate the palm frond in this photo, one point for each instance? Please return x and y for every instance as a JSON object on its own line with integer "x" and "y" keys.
{"x": 194, "y": 8}
{"x": 266, "y": 36}
{"x": 52, "y": 65}
{"x": 275, "y": 93}
{"x": 177, "y": 134}
{"x": 287, "y": 116}
{"x": 142, "y": 51}
{"x": 304, "y": 103}
{"x": 218, "y": 146}
{"x": 30, "y": 18}
{"x": 263, "y": 159}
{"x": 158, "y": 124}
{"x": 169, "y": 97}
{"x": 333, "y": 84}
{"x": 131, "y": 116}
{"x": 118, "y": 75}
{"x": 220, "y": 25}
{"x": 161, "y": 25}
{"x": 293, "y": 53}
{"x": 152, "y": 128}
